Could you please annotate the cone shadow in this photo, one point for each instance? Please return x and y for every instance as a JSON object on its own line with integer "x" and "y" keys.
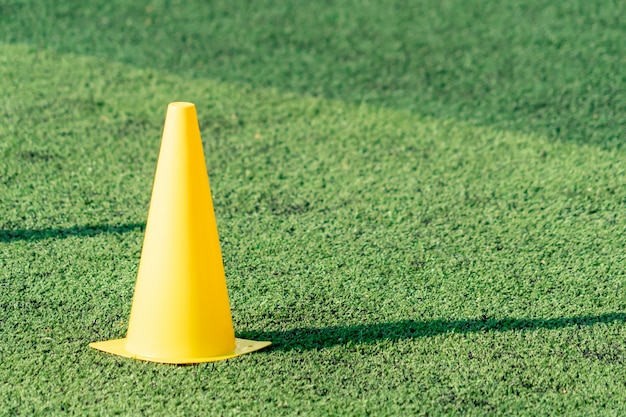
{"x": 324, "y": 337}
{"x": 61, "y": 233}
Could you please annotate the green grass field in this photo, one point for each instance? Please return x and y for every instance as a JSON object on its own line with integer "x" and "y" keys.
{"x": 421, "y": 204}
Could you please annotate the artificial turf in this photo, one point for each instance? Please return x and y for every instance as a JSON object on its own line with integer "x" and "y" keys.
{"x": 420, "y": 204}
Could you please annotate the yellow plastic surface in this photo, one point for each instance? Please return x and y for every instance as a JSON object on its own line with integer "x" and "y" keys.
{"x": 118, "y": 347}
{"x": 180, "y": 311}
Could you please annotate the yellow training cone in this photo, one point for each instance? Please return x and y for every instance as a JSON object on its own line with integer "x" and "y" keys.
{"x": 180, "y": 312}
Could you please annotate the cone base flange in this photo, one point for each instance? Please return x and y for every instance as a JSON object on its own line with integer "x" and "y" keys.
{"x": 118, "y": 347}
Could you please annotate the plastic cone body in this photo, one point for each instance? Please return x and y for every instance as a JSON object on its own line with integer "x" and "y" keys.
{"x": 180, "y": 311}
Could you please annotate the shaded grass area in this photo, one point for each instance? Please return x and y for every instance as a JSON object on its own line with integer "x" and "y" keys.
{"x": 51, "y": 233}
{"x": 319, "y": 338}
{"x": 401, "y": 264}
{"x": 554, "y": 68}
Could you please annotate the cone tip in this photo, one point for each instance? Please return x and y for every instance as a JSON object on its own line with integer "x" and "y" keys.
{"x": 181, "y": 105}
{"x": 181, "y": 111}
